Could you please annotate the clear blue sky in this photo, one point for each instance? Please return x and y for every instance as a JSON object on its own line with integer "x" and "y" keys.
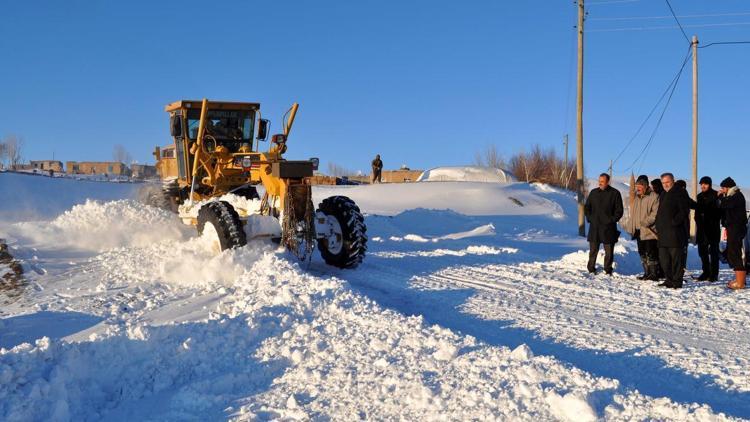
{"x": 424, "y": 83}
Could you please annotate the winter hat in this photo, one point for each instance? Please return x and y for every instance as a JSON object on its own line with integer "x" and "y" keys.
{"x": 705, "y": 180}
{"x": 642, "y": 177}
{"x": 728, "y": 183}
{"x": 642, "y": 181}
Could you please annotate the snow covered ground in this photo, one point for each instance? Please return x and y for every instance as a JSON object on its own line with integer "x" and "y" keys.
{"x": 473, "y": 303}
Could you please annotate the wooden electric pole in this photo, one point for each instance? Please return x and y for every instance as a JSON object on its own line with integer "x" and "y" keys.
{"x": 580, "y": 185}
{"x": 695, "y": 133}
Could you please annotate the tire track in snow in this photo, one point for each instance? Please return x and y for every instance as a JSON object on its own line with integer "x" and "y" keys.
{"x": 612, "y": 317}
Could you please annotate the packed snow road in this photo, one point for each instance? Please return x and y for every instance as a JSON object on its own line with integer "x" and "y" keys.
{"x": 483, "y": 312}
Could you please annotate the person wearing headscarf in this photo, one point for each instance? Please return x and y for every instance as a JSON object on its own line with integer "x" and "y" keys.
{"x": 734, "y": 218}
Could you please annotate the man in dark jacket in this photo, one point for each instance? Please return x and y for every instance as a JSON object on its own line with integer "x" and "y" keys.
{"x": 734, "y": 218}
{"x": 603, "y": 210}
{"x": 708, "y": 229}
{"x": 658, "y": 189}
{"x": 377, "y": 169}
{"x": 674, "y": 209}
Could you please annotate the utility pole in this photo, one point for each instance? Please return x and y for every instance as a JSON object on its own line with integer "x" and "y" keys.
{"x": 580, "y": 186}
{"x": 693, "y": 229}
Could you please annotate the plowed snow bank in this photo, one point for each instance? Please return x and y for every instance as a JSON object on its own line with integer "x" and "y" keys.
{"x": 98, "y": 226}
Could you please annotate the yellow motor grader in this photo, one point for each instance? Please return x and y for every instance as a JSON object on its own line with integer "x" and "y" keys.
{"x": 212, "y": 173}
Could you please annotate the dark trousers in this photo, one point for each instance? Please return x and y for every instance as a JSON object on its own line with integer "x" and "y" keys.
{"x": 672, "y": 262}
{"x": 648, "y": 249}
{"x": 736, "y": 252}
{"x": 608, "y": 256}
{"x": 709, "y": 253}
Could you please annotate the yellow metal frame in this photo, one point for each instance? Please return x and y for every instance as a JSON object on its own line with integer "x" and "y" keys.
{"x": 217, "y": 167}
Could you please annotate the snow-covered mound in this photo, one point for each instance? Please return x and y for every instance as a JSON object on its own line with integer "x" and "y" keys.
{"x": 469, "y": 198}
{"x": 466, "y": 174}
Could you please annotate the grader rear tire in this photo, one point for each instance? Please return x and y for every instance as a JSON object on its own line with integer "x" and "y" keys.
{"x": 348, "y": 249}
{"x": 225, "y": 222}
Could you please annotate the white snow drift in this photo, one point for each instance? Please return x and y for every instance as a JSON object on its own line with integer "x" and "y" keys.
{"x": 466, "y": 174}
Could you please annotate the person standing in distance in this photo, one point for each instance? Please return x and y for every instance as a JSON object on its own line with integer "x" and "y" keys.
{"x": 674, "y": 210}
{"x": 603, "y": 210}
{"x": 377, "y": 169}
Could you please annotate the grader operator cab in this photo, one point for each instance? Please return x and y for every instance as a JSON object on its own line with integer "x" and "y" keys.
{"x": 212, "y": 173}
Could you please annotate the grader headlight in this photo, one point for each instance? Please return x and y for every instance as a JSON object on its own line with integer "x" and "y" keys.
{"x": 246, "y": 161}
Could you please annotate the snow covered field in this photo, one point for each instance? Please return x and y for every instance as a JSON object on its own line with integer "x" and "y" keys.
{"x": 473, "y": 303}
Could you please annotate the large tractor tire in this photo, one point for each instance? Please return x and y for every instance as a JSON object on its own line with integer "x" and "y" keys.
{"x": 221, "y": 224}
{"x": 347, "y": 246}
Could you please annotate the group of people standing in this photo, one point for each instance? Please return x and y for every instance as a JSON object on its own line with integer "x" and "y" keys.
{"x": 660, "y": 223}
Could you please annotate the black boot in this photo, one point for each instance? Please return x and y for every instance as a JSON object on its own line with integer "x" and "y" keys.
{"x": 659, "y": 272}
{"x": 703, "y": 277}
{"x": 714, "y": 276}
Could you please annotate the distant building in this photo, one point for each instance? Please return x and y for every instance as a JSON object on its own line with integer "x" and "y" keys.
{"x": 47, "y": 165}
{"x": 111, "y": 168}
{"x": 142, "y": 171}
{"x": 404, "y": 175}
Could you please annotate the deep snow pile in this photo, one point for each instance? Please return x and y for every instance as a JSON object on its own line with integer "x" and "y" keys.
{"x": 154, "y": 326}
{"x": 466, "y": 174}
{"x": 469, "y": 198}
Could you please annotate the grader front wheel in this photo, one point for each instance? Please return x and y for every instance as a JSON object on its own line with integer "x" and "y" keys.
{"x": 220, "y": 224}
{"x": 344, "y": 242}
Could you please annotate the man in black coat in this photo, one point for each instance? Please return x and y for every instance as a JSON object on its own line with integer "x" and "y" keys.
{"x": 658, "y": 189}
{"x": 603, "y": 210}
{"x": 377, "y": 169}
{"x": 708, "y": 229}
{"x": 734, "y": 218}
{"x": 674, "y": 210}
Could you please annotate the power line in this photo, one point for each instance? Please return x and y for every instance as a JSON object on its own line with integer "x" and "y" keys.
{"x": 678, "y": 21}
{"x": 644, "y": 151}
{"x": 635, "y": 18}
{"x": 724, "y": 43}
{"x": 643, "y": 124}
{"x": 648, "y": 28}
{"x": 651, "y": 113}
